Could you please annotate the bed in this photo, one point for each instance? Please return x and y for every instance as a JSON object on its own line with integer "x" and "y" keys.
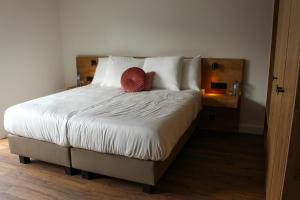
{"x": 104, "y": 130}
{"x": 92, "y": 128}
{"x": 38, "y": 128}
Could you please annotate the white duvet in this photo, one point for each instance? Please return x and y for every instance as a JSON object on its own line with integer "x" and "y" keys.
{"x": 144, "y": 125}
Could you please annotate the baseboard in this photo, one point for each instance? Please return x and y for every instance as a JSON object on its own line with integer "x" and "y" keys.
{"x": 3, "y": 133}
{"x": 251, "y": 129}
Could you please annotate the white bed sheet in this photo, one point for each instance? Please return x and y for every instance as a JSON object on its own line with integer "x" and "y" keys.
{"x": 144, "y": 125}
{"x": 46, "y": 118}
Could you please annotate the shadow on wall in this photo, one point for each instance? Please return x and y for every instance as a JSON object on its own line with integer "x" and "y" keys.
{"x": 252, "y": 114}
{"x": 252, "y": 117}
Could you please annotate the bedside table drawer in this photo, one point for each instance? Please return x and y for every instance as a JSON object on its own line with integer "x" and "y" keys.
{"x": 219, "y": 119}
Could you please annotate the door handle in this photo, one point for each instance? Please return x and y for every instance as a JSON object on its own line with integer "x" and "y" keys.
{"x": 274, "y": 78}
{"x": 279, "y": 90}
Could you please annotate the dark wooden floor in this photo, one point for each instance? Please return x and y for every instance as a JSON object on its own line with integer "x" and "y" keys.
{"x": 211, "y": 167}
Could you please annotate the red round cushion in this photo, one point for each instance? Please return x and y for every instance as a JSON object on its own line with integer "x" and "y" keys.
{"x": 133, "y": 80}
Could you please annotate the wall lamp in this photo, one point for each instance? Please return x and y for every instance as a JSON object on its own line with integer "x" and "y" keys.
{"x": 214, "y": 66}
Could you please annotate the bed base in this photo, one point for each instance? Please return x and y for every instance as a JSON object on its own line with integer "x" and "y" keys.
{"x": 28, "y": 148}
{"x": 92, "y": 164}
{"x": 146, "y": 172}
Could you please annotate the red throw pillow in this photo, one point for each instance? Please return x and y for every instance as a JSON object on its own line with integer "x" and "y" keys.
{"x": 133, "y": 80}
{"x": 149, "y": 81}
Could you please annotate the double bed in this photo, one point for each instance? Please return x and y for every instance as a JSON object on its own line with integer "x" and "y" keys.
{"x": 104, "y": 130}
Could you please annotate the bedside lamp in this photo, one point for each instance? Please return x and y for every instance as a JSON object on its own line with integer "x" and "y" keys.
{"x": 94, "y": 63}
{"x": 214, "y": 66}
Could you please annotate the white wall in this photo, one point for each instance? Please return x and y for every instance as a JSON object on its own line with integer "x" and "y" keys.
{"x": 30, "y": 51}
{"x": 212, "y": 28}
{"x": 30, "y": 43}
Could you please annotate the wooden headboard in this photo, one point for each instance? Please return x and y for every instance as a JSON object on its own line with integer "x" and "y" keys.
{"x": 86, "y": 68}
{"x": 220, "y": 70}
{"x": 214, "y": 70}
{"x": 218, "y": 76}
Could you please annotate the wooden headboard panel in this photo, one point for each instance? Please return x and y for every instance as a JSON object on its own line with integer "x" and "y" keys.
{"x": 227, "y": 70}
{"x": 86, "y": 68}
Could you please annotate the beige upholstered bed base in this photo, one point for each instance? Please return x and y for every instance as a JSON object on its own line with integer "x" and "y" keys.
{"x": 28, "y": 148}
{"x": 140, "y": 171}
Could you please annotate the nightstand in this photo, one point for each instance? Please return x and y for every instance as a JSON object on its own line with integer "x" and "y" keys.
{"x": 220, "y": 112}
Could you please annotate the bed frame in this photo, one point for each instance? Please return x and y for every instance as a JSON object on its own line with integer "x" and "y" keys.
{"x": 28, "y": 148}
{"x": 88, "y": 162}
{"x": 146, "y": 172}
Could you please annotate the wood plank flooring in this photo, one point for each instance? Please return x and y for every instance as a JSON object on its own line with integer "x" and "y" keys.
{"x": 212, "y": 166}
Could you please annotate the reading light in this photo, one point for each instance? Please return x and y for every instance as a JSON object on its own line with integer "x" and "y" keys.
{"x": 214, "y": 66}
{"x": 93, "y": 63}
{"x": 213, "y": 94}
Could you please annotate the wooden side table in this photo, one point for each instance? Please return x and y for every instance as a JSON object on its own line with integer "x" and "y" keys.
{"x": 220, "y": 113}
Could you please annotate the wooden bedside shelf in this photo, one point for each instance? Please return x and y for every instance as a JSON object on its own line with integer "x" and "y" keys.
{"x": 219, "y": 119}
{"x": 220, "y": 113}
{"x": 220, "y": 100}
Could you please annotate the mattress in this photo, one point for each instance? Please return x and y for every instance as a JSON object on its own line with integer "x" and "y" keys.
{"x": 144, "y": 125}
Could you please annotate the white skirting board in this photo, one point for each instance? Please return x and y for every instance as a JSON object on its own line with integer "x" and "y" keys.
{"x": 252, "y": 129}
{"x": 3, "y": 133}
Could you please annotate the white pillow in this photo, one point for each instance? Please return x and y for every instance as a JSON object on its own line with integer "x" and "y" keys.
{"x": 116, "y": 66}
{"x": 100, "y": 71}
{"x": 168, "y": 71}
{"x": 191, "y": 74}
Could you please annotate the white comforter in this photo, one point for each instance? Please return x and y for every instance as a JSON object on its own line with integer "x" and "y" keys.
{"x": 145, "y": 125}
